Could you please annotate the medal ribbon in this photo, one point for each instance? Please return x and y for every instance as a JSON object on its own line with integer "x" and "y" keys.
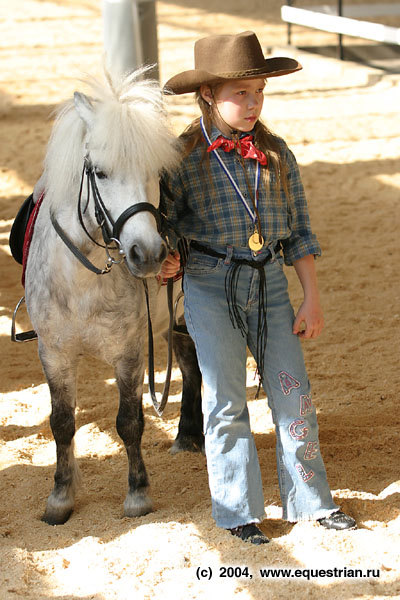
{"x": 250, "y": 212}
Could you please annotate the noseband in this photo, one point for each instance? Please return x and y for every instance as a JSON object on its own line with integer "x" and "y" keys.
{"x": 111, "y": 229}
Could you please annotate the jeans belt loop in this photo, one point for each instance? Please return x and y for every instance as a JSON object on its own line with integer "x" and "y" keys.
{"x": 229, "y": 253}
{"x": 271, "y": 247}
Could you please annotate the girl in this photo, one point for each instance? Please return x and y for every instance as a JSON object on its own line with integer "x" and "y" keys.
{"x": 238, "y": 198}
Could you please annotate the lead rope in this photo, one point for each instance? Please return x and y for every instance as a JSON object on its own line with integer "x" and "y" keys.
{"x": 159, "y": 406}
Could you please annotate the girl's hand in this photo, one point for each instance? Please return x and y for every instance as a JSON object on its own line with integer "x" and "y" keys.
{"x": 171, "y": 265}
{"x": 309, "y": 320}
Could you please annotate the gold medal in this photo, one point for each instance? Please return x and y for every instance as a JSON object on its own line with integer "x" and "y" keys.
{"x": 256, "y": 242}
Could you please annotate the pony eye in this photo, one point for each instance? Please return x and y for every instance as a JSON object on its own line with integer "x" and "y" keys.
{"x": 100, "y": 174}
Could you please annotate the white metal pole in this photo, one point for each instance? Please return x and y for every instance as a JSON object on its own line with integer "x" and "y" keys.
{"x": 130, "y": 35}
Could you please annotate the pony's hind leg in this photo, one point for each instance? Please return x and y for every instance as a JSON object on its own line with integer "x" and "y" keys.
{"x": 60, "y": 372}
{"x": 190, "y": 431}
{"x": 130, "y": 425}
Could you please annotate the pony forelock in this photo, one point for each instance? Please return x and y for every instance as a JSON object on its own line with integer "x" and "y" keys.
{"x": 129, "y": 132}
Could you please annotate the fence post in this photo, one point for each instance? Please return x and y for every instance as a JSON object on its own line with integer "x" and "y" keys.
{"x": 130, "y": 35}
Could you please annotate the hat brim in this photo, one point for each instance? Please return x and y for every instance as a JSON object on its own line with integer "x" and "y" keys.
{"x": 190, "y": 81}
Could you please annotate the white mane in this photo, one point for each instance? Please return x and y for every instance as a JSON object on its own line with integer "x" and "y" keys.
{"x": 129, "y": 128}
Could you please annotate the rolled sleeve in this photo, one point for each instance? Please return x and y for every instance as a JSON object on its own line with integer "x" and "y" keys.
{"x": 302, "y": 241}
{"x": 172, "y": 202}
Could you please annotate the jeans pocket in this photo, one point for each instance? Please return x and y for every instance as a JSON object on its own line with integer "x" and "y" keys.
{"x": 202, "y": 264}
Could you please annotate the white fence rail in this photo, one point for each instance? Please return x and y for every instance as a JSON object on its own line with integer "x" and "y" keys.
{"x": 326, "y": 18}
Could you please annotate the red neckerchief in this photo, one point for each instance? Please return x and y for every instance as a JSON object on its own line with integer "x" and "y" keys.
{"x": 245, "y": 145}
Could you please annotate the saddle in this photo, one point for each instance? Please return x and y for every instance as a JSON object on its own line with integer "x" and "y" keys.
{"x": 19, "y": 241}
{"x": 22, "y": 231}
{"x": 18, "y": 229}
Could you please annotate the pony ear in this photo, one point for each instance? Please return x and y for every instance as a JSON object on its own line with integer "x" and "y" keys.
{"x": 84, "y": 108}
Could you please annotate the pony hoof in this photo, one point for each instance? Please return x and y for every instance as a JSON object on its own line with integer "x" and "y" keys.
{"x": 58, "y": 509}
{"x": 56, "y": 518}
{"x": 137, "y": 504}
{"x": 188, "y": 443}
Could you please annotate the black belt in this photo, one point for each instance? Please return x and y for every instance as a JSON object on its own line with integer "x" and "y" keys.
{"x": 256, "y": 264}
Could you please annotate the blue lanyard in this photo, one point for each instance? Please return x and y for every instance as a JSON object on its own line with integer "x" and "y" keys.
{"x": 250, "y": 212}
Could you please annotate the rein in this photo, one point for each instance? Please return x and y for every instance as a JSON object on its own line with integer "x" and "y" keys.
{"x": 159, "y": 406}
{"x": 110, "y": 236}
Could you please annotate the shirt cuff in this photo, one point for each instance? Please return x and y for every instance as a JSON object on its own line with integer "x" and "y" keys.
{"x": 296, "y": 247}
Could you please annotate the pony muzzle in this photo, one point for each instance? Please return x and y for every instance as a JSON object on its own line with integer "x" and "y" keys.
{"x": 147, "y": 259}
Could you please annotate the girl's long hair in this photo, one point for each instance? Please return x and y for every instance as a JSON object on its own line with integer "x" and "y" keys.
{"x": 264, "y": 140}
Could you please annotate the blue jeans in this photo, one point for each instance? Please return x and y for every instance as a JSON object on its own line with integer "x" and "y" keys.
{"x": 232, "y": 461}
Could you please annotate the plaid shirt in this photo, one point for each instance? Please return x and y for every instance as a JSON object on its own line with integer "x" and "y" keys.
{"x": 201, "y": 203}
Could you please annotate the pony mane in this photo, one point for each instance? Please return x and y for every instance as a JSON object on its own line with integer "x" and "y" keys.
{"x": 130, "y": 130}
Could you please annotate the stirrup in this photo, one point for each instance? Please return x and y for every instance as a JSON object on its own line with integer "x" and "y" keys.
{"x": 24, "y": 336}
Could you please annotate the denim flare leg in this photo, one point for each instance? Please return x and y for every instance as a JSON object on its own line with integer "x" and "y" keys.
{"x": 232, "y": 461}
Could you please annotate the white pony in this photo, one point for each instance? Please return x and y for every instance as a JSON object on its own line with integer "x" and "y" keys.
{"x": 101, "y": 182}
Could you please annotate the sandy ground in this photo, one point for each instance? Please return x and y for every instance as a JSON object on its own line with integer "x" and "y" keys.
{"x": 342, "y": 122}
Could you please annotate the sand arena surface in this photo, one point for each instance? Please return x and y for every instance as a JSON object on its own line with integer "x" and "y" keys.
{"x": 342, "y": 121}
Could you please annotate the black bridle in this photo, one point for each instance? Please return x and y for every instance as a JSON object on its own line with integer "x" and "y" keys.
{"x": 111, "y": 231}
{"x": 103, "y": 216}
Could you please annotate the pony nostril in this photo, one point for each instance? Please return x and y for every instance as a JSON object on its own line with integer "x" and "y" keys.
{"x": 134, "y": 254}
{"x": 140, "y": 257}
{"x": 163, "y": 253}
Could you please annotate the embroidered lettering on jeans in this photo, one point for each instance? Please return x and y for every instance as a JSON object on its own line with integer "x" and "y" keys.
{"x": 288, "y": 383}
{"x": 296, "y": 429}
{"x": 311, "y": 451}
{"x": 306, "y": 405}
{"x": 305, "y": 476}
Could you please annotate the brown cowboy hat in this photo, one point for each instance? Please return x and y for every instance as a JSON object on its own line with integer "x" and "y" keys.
{"x": 224, "y": 57}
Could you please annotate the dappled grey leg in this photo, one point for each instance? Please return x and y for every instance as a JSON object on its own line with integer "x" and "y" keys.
{"x": 130, "y": 425}
{"x": 190, "y": 431}
{"x": 60, "y": 372}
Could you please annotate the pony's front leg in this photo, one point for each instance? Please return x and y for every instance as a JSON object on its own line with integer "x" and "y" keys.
{"x": 60, "y": 371}
{"x": 130, "y": 425}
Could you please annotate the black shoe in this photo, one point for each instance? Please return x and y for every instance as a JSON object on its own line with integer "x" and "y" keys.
{"x": 250, "y": 533}
{"x": 338, "y": 520}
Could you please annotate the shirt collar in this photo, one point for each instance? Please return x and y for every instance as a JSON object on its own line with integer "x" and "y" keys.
{"x": 215, "y": 132}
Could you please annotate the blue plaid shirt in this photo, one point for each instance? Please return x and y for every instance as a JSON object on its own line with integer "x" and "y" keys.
{"x": 201, "y": 203}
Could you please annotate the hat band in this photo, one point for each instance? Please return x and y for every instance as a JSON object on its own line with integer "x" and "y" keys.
{"x": 246, "y": 73}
